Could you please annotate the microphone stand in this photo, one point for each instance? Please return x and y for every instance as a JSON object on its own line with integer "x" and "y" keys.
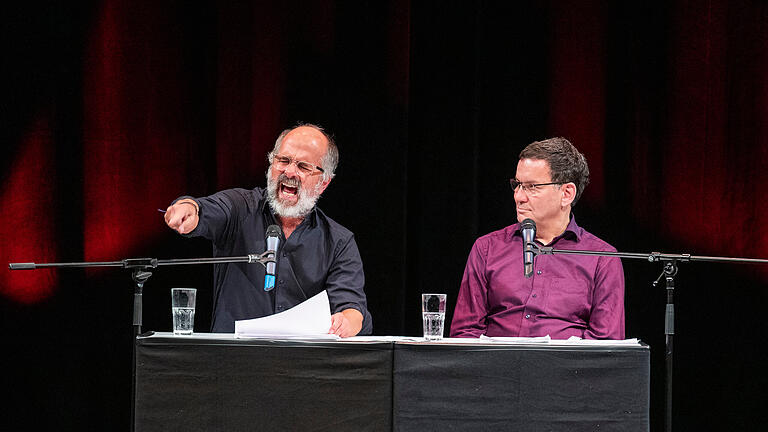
{"x": 141, "y": 270}
{"x": 668, "y": 273}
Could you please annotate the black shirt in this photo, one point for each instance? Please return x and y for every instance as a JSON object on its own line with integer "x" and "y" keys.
{"x": 319, "y": 255}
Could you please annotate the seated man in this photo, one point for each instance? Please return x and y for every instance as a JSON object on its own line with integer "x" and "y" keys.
{"x": 315, "y": 252}
{"x": 567, "y": 295}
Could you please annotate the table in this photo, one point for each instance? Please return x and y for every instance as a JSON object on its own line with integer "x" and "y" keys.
{"x": 527, "y": 388}
{"x": 217, "y": 382}
{"x": 208, "y": 382}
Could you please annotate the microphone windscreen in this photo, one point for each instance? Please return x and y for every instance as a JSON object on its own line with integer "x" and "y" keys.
{"x": 528, "y": 224}
{"x": 273, "y": 231}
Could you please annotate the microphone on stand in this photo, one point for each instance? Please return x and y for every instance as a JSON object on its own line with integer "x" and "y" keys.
{"x": 273, "y": 241}
{"x": 528, "y": 226}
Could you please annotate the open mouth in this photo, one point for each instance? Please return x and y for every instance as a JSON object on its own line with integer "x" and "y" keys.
{"x": 289, "y": 189}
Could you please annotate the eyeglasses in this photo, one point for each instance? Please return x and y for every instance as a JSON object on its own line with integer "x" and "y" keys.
{"x": 282, "y": 162}
{"x": 530, "y": 189}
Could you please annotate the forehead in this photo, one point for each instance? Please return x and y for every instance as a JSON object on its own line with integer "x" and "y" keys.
{"x": 304, "y": 143}
{"x": 533, "y": 171}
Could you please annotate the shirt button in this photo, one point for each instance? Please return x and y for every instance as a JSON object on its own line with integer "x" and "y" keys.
{"x": 534, "y": 296}
{"x": 281, "y": 281}
{"x": 284, "y": 254}
{"x": 527, "y": 316}
{"x": 538, "y": 272}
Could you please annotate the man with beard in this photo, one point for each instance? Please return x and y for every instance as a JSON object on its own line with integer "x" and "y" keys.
{"x": 315, "y": 253}
{"x": 567, "y": 295}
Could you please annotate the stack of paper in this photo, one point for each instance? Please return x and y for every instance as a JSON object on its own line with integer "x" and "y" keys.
{"x": 520, "y": 340}
{"x": 308, "y": 320}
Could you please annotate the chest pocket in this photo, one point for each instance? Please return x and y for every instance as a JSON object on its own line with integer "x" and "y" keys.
{"x": 569, "y": 299}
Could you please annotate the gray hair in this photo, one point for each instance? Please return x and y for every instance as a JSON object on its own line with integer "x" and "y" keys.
{"x": 330, "y": 159}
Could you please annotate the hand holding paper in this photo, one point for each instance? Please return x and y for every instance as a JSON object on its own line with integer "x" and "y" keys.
{"x": 310, "y": 319}
{"x": 346, "y": 323}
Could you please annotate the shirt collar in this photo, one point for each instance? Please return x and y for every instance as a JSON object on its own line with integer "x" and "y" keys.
{"x": 572, "y": 231}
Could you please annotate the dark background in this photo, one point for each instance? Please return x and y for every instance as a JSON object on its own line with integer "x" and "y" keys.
{"x": 111, "y": 109}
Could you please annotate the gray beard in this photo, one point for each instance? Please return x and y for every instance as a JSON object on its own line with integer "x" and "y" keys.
{"x": 306, "y": 199}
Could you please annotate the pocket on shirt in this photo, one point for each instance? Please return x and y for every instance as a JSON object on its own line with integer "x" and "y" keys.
{"x": 568, "y": 299}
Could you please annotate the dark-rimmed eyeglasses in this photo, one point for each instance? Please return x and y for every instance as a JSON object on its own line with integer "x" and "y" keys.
{"x": 283, "y": 162}
{"x": 530, "y": 188}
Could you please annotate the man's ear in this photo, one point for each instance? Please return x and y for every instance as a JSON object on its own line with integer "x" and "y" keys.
{"x": 568, "y": 191}
{"x": 325, "y": 184}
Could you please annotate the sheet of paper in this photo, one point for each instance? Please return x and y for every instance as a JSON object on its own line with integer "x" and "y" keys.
{"x": 310, "y": 319}
{"x": 459, "y": 341}
{"x": 520, "y": 340}
{"x": 382, "y": 339}
{"x": 573, "y": 340}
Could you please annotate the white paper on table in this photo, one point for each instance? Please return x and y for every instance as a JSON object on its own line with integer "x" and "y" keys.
{"x": 575, "y": 340}
{"x": 383, "y": 339}
{"x": 310, "y": 319}
{"x": 516, "y": 339}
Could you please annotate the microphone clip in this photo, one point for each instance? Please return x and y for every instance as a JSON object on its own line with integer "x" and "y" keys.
{"x": 540, "y": 250}
{"x": 263, "y": 258}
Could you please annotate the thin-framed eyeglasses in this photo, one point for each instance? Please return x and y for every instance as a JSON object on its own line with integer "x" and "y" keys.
{"x": 530, "y": 188}
{"x": 283, "y": 162}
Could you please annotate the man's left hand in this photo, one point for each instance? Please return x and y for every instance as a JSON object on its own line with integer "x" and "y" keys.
{"x": 346, "y": 323}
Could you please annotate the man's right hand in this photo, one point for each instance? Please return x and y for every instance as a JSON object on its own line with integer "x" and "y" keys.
{"x": 182, "y": 216}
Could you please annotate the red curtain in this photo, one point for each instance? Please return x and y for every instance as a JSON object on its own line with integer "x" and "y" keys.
{"x": 29, "y": 215}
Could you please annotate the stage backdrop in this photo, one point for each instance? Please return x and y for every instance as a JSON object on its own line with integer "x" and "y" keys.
{"x": 111, "y": 109}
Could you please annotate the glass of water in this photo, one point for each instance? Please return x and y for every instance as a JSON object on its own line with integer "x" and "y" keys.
{"x": 183, "y": 310}
{"x": 433, "y": 314}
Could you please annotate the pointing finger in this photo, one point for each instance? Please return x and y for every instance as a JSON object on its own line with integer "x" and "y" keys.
{"x": 188, "y": 224}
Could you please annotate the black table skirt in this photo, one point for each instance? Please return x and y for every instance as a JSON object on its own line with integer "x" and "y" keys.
{"x": 199, "y": 384}
{"x": 513, "y": 388}
{"x": 253, "y": 386}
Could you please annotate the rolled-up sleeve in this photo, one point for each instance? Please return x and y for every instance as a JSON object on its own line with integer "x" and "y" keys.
{"x": 346, "y": 281}
{"x": 220, "y": 215}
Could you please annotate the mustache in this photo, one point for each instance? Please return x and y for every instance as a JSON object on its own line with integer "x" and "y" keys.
{"x": 292, "y": 182}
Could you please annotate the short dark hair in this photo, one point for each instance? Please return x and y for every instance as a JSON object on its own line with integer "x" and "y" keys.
{"x": 566, "y": 164}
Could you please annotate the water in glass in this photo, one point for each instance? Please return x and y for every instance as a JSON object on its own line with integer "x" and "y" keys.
{"x": 183, "y": 320}
{"x": 433, "y": 325}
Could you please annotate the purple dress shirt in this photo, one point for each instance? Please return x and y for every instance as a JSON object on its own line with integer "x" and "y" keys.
{"x": 568, "y": 295}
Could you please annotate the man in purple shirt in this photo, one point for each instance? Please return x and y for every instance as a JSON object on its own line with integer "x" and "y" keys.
{"x": 567, "y": 295}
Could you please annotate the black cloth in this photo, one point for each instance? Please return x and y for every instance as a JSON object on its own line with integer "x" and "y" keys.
{"x": 528, "y": 388}
{"x": 203, "y": 384}
{"x": 319, "y": 255}
{"x": 258, "y": 385}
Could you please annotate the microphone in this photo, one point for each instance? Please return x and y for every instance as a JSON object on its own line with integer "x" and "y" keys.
{"x": 528, "y": 227}
{"x": 273, "y": 241}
